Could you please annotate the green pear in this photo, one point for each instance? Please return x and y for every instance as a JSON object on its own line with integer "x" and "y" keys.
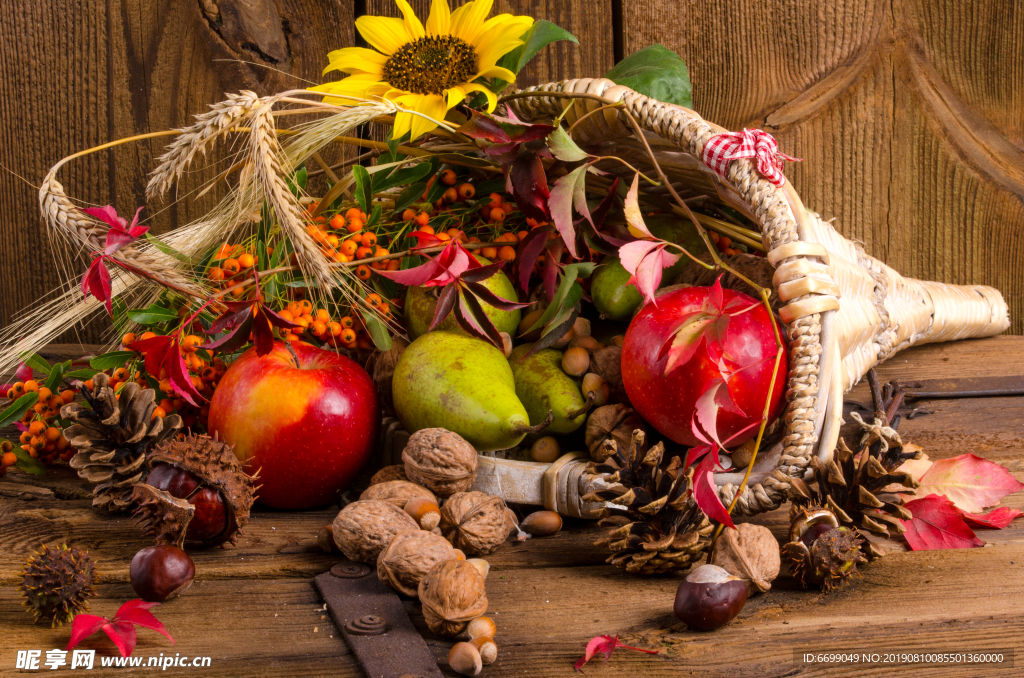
{"x": 421, "y": 302}
{"x": 463, "y": 384}
{"x": 613, "y": 298}
{"x": 543, "y": 386}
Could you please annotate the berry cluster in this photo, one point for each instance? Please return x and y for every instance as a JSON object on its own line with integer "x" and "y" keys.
{"x": 41, "y": 437}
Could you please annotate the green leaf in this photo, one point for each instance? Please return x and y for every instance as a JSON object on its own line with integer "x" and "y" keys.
{"x": 374, "y": 216}
{"x": 27, "y": 464}
{"x": 364, "y": 187}
{"x": 18, "y": 409}
{"x": 376, "y": 329}
{"x": 399, "y": 177}
{"x": 36, "y": 362}
{"x": 568, "y": 291}
{"x": 111, "y": 361}
{"x": 56, "y": 375}
{"x": 657, "y": 72}
{"x": 82, "y": 374}
{"x": 540, "y": 35}
{"x": 298, "y": 184}
{"x": 563, "y": 147}
{"x": 166, "y": 249}
{"x": 409, "y": 196}
{"x": 154, "y": 315}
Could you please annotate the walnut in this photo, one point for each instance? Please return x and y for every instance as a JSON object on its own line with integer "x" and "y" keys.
{"x": 750, "y": 552}
{"x": 396, "y": 492}
{"x": 616, "y": 422}
{"x": 607, "y": 364}
{"x": 409, "y": 557}
{"x": 452, "y": 595}
{"x": 364, "y": 528}
{"x": 388, "y": 473}
{"x": 440, "y": 461}
{"x": 475, "y": 522}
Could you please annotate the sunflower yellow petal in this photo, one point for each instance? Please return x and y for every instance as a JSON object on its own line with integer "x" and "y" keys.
{"x": 454, "y": 96}
{"x": 498, "y": 72}
{"x": 432, "y": 105}
{"x": 403, "y": 123}
{"x": 469, "y": 19}
{"x": 356, "y": 59}
{"x": 492, "y": 98}
{"x": 440, "y": 20}
{"x": 386, "y": 34}
{"x": 413, "y": 27}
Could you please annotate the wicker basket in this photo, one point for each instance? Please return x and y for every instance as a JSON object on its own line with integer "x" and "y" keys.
{"x": 844, "y": 311}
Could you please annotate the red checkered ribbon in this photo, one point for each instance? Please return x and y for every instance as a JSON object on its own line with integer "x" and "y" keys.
{"x": 722, "y": 149}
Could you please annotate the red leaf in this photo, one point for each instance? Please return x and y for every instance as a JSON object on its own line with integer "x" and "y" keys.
{"x": 144, "y": 618}
{"x": 154, "y": 348}
{"x": 604, "y": 645}
{"x": 135, "y": 604}
{"x": 445, "y": 303}
{"x": 177, "y": 372}
{"x": 705, "y": 493}
{"x": 275, "y": 319}
{"x": 560, "y": 203}
{"x": 631, "y": 208}
{"x": 937, "y": 525}
{"x": 531, "y": 247}
{"x": 686, "y": 340}
{"x": 262, "y": 334}
{"x": 481, "y": 273}
{"x": 530, "y": 185}
{"x": 96, "y": 282}
{"x": 123, "y": 635}
{"x": 492, "y": 299}
{"x": 83, "y": 626}
{"x": 108, "y": 215}
{"x": 413, "y": 277}
{"x": 995, "y": 519}
{"x": 648, "y": 272}
{"x": 470, "y": 316}
{"x": 230, "y": 319}
{"x": 970, "y": 482}
{"x": 425, "y": 239}
{"x": 485, "y": 127}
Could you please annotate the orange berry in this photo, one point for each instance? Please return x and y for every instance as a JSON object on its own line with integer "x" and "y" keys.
{"x": 44, "y": 394}
{"x": 319, "y": 328}
{"x": 18, "y": 389}
{"x": 306, "y": 306}
{"x": 88, "y": 384}
{"x": 507, "y": 253}
{"x": 36, "y": 428}
{"x": 31, "y": 386}
{"x": 489, "y": 253}
{"x": 408, "y": 214}
{"x": 724, "y": 242}
{"x": 497, "y": 215}
{"x": 363, "y": 272}
{"x": 40, "y": 408}
{"x": 384, "y": 308}
{"x": 381, "y": 252}
{"x": 9, "y": 459}
{"x": 448, "y": 177}
{"x": 147, "y": 335}
{"x": 373, "y": 299}
{"x": 224, "y": 252}
{"x": 347, "y": 322}
{"x": 496, "y": 200}
{"x": 62, "y": 443}
{"x": 423, "y": 219}
{"x": 334, "y": 328}
{"x": 333, "y": 241}
{"x": 67, "y": 396}
{"x": 55, "y": 403}
{"x": 120, "y": 374}
{"x": 363, "y": 252}
{"x": 443, "y": 237}
{"x": 427, "y": 229}
{"x": 349, "y": 247}
{"x": 25, "y": 437}
{"x": 509, "y": 207}
{"x": 354, "y": 225}
{"x": 52, "y": 434}
{"x": 231, "y": 266}
{"x": 337, "y": 221}
{"x": 246, "y": 260}
{"x": 348, "y": 335}
{"x": 322, "y": 315}
{"x": 303, "y": 323}
{"x": 450, "y": 196}
{"x": 189, "y": 344}
{"x": 129, "y": 338}
{"x": 159, "y": 413}
{"x": 208, "y": 374}
{"x": 466, "y": 191}
{"x": 394, "y": 265}
{"x": 38, "y": 443}
{"x": 369, "y": 239}
{"x": 353, "y": 212}
{"x": 714, "y": 236}
{"x": 286, "y": 314}
{"x": 521, "y": 235}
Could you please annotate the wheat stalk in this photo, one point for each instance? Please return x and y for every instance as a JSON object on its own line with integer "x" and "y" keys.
{"x": 209, "y": 127}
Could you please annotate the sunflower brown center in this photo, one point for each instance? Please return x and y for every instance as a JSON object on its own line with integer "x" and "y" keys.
{"x": 430, "y": 65}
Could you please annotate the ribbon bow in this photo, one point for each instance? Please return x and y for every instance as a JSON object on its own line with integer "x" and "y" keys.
{"x": 722, "y": 149}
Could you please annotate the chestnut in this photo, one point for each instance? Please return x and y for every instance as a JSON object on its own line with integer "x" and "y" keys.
{"x": 161, "y": 572}
{"x": 211, "y": 520}
{"x": 709, "y": 597}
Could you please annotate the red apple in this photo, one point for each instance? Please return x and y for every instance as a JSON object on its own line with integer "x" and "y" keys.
{"x": 307, "y": 428}
{"x": 723, "y": 335}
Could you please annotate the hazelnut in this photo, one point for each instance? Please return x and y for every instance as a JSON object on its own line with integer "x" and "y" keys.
{"x": 396, "y": 492}
{"x": 564, "y": 340}
{"x": 576, "y": 361}
{"x": 618, "y": 340}
{"x": 440, "y": 460}
{"x": 581, "y": 326}
{"x": 409, "y": 557}
{"x": 506, "y": 343}
{"x": 474, "y": 522}
{"x": 481, "y": 627}
{"x": 528, "y": 321}
{"x": 487, "y": 648}
{"x": 424, "y": 511}
{"x": 588, "y": 343}
{"x": 393, "y": 472}
{"x": 545, "y": 450}
{"x": 542, "y": 523}
{"x": 465, "y": 659}
{"x": 600, "y": 388}
{"x": 452, "y": 594}
{"x": 325, "y": 539}
{"x": 459, "y": 555}
{"x": 751, "y": 553}
{"x": 158, "y": 573}
{"x": 364, "y": 528}
{"x": 709, "y": 597}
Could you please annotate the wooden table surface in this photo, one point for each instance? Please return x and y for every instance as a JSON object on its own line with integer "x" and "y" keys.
{"x": 253, "y": 609}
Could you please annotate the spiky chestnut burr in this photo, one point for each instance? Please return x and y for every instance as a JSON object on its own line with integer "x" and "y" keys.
{"x": 57, "y": 582}
{"x": 820, "y": 551}
{"x": 196, "y": 490}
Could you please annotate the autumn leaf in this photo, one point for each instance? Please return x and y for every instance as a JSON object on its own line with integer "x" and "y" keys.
{"x": 996, "y": 519}
{"x": 120, "y": 629}
{"x": 604, "y": 645}
{"x": 970, "y": 482}
{"x": 96, "y": 280}
{"x": 937, "y": 525}
{"x": 645, "y": 260}
{"x": 164, "y": 352}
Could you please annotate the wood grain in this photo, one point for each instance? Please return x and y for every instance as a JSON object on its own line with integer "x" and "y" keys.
{"x": 906, "y": 115}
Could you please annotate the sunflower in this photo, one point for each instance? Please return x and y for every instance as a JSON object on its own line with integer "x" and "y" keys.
{"x": 429, "y": 70}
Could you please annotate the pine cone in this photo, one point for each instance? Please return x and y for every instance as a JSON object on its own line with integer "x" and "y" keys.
{"x": 657, "y": 527}
{"x": 114, "y": 437}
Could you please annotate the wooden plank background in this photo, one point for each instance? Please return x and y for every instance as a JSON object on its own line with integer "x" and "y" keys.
{"x": 907, "y": 113}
